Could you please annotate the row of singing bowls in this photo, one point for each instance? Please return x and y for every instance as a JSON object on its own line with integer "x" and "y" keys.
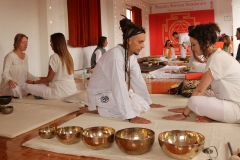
{"x": 177, "y": 144}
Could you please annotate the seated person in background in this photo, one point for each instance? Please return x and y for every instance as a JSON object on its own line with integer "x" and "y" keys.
{"x": 99, "y": 51}
{"x": 238, "y": 38}
{"x": 227, "y": 46}
{"x": 15, "y": 69}
{"x": 168, "y": 50}
{"x": 59, "y": 82}
{"x": 222, "y": 72}
{"x": 107, "y": 90}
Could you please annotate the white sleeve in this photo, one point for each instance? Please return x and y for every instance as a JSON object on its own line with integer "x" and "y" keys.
{"x": 137, "y": 82}
{"x": 180, "y": 39}
{"x": 230, "y": 49}
{"x": 115, "y": 74}
{"x": 98, "y": 54}
{"x": 6, "y": 68}
{"x": 54, "y": 62}
{"x": 173, "y": 52}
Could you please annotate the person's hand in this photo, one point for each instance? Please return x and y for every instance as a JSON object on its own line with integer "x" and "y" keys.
{"x": 156, "y": 105}
{"x": 177, "y": 117}
{"x": 12, "y": 84}
{"x": 29, "y": 81}
{"x": 140, "y": 120}
{"x": 177, "y": 110}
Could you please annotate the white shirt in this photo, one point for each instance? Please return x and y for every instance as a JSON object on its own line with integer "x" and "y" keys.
{"x": 109, "y": 76}
{"x": 15, "y": 69}
{"x": 226, "y": 73}
{"x": 184, "y": 39}
{"x": 98, "y": 54}
{"x": 63, "y": 84}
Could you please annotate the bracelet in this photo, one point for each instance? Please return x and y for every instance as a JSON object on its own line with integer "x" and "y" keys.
{"x": 33, "y": 82}
{"x": 185, "y": 114}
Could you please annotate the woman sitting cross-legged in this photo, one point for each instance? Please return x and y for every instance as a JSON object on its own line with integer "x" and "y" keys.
{"x": 59, "y": 82}
{"x": 168, "y": 50}
{"x": 222, "y": 72}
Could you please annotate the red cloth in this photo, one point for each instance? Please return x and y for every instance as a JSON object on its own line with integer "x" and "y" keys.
{"x": 162, "y": 26}
{"x": 194, "y": 76}
{"x": 137, "y": 16}
{"x": 84, "y": 22}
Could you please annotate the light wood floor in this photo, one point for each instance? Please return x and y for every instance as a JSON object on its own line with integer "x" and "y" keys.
{"x": 11, "y": 149}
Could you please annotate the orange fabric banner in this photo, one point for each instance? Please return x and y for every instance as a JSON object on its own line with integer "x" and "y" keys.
{"x": 162, "y": 26}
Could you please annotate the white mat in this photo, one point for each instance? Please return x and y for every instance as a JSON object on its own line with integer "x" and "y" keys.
{"x": 216, "y": 134}
{"x": 30, "y": 113}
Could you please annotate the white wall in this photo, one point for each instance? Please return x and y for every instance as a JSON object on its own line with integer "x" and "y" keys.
{"x": 236, "y": 23}
{"x": 20, "y": 17}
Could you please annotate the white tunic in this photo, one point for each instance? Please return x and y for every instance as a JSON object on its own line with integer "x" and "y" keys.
{"x": 107, "y": 88}
{"x": 185, "y": 40}
{"x": 15, "y": 69}
{"x": 63, "y": 84}
{"x": 226, "y": 73}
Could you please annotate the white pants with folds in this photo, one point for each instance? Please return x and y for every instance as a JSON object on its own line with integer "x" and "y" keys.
{"x": 214, "y": 108}
{"x": 110, "y": 109}
{"x": 19, "y": 91}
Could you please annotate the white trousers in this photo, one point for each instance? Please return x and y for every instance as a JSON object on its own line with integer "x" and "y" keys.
{"x": 37, "y": 90}
{"x": 110, "y": 109}
{"x": 183, "y": 51}
{"x": 19, "y": 91}
{"x": 214, "y": 108}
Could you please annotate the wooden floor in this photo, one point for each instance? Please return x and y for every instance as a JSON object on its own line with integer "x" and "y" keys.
{"x": 11, "y": 149}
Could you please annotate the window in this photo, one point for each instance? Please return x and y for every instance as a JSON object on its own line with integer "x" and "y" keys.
{"x": 129, "y": 13}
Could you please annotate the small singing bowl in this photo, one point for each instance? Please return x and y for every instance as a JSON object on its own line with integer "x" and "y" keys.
{"x": 135, "y": 141}
{"x": 69, "y": 135}
{"x": 7, "y": 109}
{"x": 47, "y": 132}
{"x": 4, "y": 100}
{"x": 98, "y": 138}
{"x": 180, "y": 144}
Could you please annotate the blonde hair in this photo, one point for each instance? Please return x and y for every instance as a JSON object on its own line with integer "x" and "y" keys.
{"x": 59, "y": 46}
{"x": 18, "y": 39}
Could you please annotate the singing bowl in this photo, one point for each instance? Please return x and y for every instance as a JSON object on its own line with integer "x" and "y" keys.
{"x": 69, "y": 134}
{"x": 135, "y": 141}
{"x": 7, "y": 109}
{"x": 47, "y": 132}
{"x": 98, "y": 138}
{"x": 181, "y": 144}
{"x": 4, "y": 100}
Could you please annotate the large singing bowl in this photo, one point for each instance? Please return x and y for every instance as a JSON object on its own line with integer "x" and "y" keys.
{"x": 135, "y": 140}
{"x": 98, "y": 138}
{"x": 4, "y": 100}
{"x": 180, "y": 144}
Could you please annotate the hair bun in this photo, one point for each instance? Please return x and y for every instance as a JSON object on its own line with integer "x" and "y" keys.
{"x": 124, "y": 23}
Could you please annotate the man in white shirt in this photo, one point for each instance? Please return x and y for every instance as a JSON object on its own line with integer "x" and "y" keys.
{"x": 183, "y": 42}
{"x": 107, "y": 89}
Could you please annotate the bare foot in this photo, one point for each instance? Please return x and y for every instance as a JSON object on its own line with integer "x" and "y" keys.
{"x": 156, "y": 105}
{"x": 203, "y": 119}
{"x": 140, "y": 120}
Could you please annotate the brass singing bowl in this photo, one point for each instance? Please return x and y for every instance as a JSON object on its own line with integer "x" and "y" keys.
{"x": 69, "y": 135}
{"x": 135, "y": 141}
{"x": 6, "y": 109}
{"x": 47, "y": 132}
{"x": 180, "y": 144}
{"x": 98, "y": 138}
{"x": 4, "y": 100}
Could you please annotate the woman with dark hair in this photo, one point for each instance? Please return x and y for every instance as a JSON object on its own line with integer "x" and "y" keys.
{"x": 222, "y": 72}
{"x": 59, "y": 82}
{"x": 99, "y": 51}
{"x": 168, "y": 50}
{"x": 227, "y": 46}
{"x": 15, "y": 69}
{"x": 107, "y": 89}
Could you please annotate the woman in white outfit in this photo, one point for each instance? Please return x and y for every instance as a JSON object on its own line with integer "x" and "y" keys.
{"x": 15, "y": 69}
{"x": 59, "y": 82}
{"x": 222, "y": 72}
{"x": 227, "y": 46}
